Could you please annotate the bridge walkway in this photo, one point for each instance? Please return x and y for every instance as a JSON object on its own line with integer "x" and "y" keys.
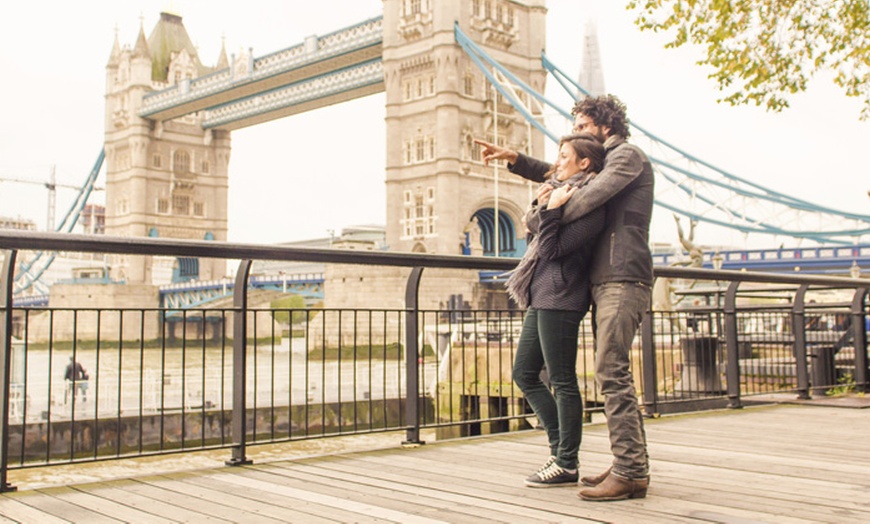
{"x": 786, "y": 463}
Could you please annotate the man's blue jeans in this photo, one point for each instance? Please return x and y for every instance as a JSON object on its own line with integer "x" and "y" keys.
{"x": 550, "y": 337}
{"x": 619, "y": 308}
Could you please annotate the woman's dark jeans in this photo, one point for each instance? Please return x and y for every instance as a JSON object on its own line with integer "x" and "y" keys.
{"x": 549, "y": 337}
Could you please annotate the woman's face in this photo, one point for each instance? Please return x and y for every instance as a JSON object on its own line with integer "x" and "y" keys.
{"x": 567, "y": 164}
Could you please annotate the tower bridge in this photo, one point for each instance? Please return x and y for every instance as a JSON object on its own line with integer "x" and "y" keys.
{"x": 451, "y": 70}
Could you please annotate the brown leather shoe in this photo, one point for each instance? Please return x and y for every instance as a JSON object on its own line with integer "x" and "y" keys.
{"x": 596, "y": 480}
{"x": 616, "y": 488}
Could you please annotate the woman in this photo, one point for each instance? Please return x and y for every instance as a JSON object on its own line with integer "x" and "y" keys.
{"x": 552, "y": 282}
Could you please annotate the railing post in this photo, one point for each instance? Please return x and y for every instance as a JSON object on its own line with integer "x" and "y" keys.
{"x": 859, "y": 329}
{"x": 412, "y": 355}
{"x": 7, "y": 283}
{"x": 799, "y": 328}
{"x": 650, "y": 364}
{"x": 732, "y": 370}
{"x": 240, "y": 358}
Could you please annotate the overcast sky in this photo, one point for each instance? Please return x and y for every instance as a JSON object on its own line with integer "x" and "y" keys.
{"x": 53, "y": 62}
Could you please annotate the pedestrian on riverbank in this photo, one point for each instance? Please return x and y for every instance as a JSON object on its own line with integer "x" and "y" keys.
{"x": 552, "y": 283}
{"x": 76, "y": 381}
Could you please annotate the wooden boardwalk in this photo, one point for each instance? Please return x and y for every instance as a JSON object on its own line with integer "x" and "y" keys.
{"x": 763, "y": 464}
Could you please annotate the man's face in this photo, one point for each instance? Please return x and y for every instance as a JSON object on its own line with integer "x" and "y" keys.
{"x": 584, "y": 124}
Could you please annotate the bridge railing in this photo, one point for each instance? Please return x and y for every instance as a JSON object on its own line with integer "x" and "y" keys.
{"x": 164, "y": 380}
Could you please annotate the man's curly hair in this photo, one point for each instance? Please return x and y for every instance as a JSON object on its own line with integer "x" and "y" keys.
{"x": 605, "y": 111}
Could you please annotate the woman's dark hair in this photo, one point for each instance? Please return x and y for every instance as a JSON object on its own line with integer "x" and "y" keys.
{"x": 586, "y": 146}
{"x": 605, "y": 111}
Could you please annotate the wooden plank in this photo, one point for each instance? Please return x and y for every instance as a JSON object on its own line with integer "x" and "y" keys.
{"x": 54, "y": 503}
{"x": 115, "y": 491}
{"x": 219, "y": 504}
{"x": 372, "y": 510}
{"x": 206, "y": 509}
{"x": 395, "y": 495}
{"x": 310, "y": 513}
{"x": 15, "y": 506}
{"x": 276, "y": 508}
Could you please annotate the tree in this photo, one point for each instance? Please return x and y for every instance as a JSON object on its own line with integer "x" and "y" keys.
{"x": 762, "y": 51}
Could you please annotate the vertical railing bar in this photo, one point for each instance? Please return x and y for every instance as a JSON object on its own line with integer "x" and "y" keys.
{"x": 203, "y": 325}
{"x": 798, "y": 325}
{"x": 256, "y": 384}
{"x": 272, "y": 378}
{"x": 163, "y": 326}
{"x": 96, "y": 373}
{"x": 223, "y": 387}
{"x": 50, "y": 361}
{"x": 141, "y": 378}
{"x": 72, "y": 420}
{"x": 371, "y": 363}
{"x": 338, "y": 373}
{"x": 26, "y": 391}
{"x": 859, "y": 331}
{"x": 240, "y": 340}
{"x": 307, "y": 384}
{"x": 384, "y": 374}
{"x": 183, "y": 377}
{"x": 732, "y": 370}
{"x": 355, "y": 367}
{"x": 7, "y": 284}
{"x": 412, "y": 403}
{"x": 399, "y": 393}
{"x": 120, "y": 378}
{"x": 649, "y": 363}
{"x": 323, "y": 349}
{"x": 290, "y": 378}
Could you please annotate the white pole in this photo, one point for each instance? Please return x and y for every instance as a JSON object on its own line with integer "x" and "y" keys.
{"x": 495, "y": 165}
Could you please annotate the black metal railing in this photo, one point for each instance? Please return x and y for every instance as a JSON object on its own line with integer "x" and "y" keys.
{"x": 166, "y": 380}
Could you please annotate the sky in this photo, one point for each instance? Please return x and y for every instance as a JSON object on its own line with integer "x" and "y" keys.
{"x": 289, "y": 180}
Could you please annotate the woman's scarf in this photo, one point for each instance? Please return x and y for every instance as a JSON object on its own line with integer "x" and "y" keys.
{"x": 519, "y": 283}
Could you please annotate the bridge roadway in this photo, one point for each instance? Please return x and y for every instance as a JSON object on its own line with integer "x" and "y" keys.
{"x": 785, "y": 464}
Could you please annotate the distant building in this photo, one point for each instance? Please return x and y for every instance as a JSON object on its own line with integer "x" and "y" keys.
{"x": 93, "y": 219}
{"x": 24, "y": 224}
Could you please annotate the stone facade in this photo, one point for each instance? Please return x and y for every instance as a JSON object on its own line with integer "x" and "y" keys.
{"x": 165, "y": 179}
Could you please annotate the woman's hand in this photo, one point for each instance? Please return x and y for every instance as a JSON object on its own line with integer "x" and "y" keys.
{"x": 560, "y": 195}
{"x": 494, "y": 152}
{"x": 543, "y": 194}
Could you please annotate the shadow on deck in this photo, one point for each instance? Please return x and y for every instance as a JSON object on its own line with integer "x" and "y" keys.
{"x": 785, "y": 463}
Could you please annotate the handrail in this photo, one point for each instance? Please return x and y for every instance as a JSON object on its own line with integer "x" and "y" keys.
{"x": 29, "y": 240}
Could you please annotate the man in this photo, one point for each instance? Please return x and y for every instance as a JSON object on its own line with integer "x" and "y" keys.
{"x": 76, "y": 379}
{"x": 621, "y": 277}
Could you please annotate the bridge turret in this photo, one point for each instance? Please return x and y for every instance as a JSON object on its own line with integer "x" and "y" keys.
{"x": 164, "y": 178}
{"x": 437, "y": 102}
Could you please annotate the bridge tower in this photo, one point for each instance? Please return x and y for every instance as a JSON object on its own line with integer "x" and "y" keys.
{"x": 163, "y": 179}
{"x": 440, "y": 197}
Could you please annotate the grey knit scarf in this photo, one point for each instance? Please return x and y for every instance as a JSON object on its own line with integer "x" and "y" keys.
{"x": 519, "y": 282}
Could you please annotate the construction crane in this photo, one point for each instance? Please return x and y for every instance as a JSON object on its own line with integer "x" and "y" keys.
{"x": 52, "y": 187}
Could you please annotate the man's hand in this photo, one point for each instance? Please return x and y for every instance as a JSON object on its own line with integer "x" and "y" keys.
{"x": 494, "y": 152}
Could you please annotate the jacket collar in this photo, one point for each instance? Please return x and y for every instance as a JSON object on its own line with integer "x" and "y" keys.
{"x": 613, "y": 141}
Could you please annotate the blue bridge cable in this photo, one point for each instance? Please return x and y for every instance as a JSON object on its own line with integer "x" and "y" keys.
{"x": 477, "y": 55}
{"x": 768, "y": 193}
{"x": 66, "y": 226}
